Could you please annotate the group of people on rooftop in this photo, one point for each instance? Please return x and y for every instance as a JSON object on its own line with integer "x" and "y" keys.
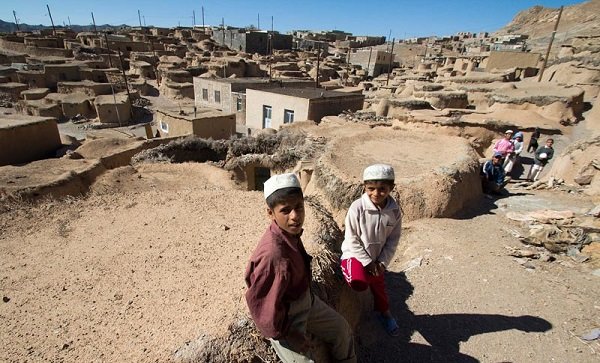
{"x": 507, "y": 155}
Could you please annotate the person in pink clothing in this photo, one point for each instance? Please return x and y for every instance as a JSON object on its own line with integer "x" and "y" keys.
{"x": 373, "y": 225}
{"x": 505, "y": 145}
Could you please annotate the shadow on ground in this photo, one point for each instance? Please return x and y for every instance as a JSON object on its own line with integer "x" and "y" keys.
{"x": 442, "y": 332}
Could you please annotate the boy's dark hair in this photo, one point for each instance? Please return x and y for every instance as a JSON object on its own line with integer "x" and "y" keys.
{"x": 280, "y": 195}
{"x": 384, "y": 181}
{"x": 549, "y": 139}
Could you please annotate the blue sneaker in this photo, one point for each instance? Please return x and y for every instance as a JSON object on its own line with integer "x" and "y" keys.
{"x": 390, "y": 325}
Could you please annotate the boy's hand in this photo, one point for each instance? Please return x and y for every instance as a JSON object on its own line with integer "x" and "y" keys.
{"x": 380, "y": 268}
{"x": 372, "y": 268}
{"x": 298, "y": 342}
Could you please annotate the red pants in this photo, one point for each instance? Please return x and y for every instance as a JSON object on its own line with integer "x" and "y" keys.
{"x": 359, "y": 279}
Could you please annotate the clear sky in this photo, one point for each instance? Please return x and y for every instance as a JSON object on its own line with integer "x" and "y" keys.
{"x": 365, "y": 17}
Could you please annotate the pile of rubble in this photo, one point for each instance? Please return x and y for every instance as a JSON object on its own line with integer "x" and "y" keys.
{"x": 364, "y": 116}
{"x": 548, "y": 233}
{"x": 551, "y": 184}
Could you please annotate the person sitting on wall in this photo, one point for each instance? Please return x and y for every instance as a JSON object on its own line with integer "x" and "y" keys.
{"x": 492, "y": 175}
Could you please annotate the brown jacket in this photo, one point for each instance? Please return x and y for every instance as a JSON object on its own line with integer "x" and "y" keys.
{"x": 278, "y": 273}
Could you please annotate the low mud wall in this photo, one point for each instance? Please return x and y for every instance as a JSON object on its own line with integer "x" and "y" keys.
{"x": 423, "y": 190}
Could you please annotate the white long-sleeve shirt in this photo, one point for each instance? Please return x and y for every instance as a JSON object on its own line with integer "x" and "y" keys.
{"x": 372, "y": 234}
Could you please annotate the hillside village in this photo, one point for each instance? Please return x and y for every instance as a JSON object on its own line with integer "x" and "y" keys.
{"x": 132, "y": 159}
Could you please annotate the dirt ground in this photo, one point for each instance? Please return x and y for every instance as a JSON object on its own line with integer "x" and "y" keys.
{"x": 151, "y": 259}
{"x": 145, "y": 264}
{"x": 470, "y": 301}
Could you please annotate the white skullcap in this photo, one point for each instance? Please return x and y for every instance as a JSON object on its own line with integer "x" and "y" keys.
{"x": 379, "y": 172}
{"x": 280, "y": 181}
{"x": 509, "y": 132}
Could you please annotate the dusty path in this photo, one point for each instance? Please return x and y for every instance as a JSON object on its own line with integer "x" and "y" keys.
{"x": 469, "y": 301}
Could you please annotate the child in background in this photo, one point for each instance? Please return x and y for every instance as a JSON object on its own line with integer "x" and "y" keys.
{"x": 533, "y": 142}
{"x": 373, "y": 226}
{"x": 541, "y": 157}
{"x": 513, "y": 158}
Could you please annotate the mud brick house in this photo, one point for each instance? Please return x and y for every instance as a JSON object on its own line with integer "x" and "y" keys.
{"x": 276, "y": 107}
{"x": 251, "y": 41}
{"x": 375, "y": 61}
{"x": 229, "y": 94}
{"x": 205, "y": 123}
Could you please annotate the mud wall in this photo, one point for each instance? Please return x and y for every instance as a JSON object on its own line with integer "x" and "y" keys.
{"x": 35, "y": 51}
{"x": 29, "y": 141}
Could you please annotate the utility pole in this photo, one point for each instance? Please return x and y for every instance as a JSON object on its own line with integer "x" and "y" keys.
{"x": 155, "y": 63}
{"x": 193, "y": 18}
{"x": 203, "y": 29}
{"x": 258, "y": 26}
{"x": 16, "y": 21}
{"x": 389, "y": 36}
{"x": 223, "y": 29}
{"x": 270, "y": 45}
{"x": 126, "y": 83}
{"x": 144, "y": 16}
{"x": 550, "y": 45}
{"x": 390, "y": 64}
{"x": 94, "y": 22}
{"x": 140, "y": 18}
{"x": 52, "y": 21}
{"x": 108, "y": 49}
{"x": 69, "y": 19}
{"x": 369, "y": 62}
{"x": 272, "y": 36}
{"x": 318, "y": 61}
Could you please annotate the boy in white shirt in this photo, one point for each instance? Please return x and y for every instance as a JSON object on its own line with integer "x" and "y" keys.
{"x": 373, "y": 226}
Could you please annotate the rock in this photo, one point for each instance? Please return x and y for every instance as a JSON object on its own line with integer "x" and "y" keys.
{"x": 592, "y": 250}
{"x": 591, "y": 335}
{"x": 5, "y": 299}
{"x": 585, "y": 175}
{"x": 522, "y": 253}
{"x": 415, "y": 262}
{"x": 224, "y": 227}
{"x": 594, "y": 211}
{"x": 546, "y": 257}
{"x": 577, "y": 256}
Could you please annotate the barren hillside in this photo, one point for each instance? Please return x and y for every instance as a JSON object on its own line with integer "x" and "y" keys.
{"x": 538, "y": 22}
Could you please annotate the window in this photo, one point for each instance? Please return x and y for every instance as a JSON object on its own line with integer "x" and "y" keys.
{"x": 239, "y": 104}
{"x": 288, "y": 116}
{"x": 204, "y": 94}
{"x": 164, "y": 127}
{"x": 267, "y": 110}
{"x": 217, "y": 96}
